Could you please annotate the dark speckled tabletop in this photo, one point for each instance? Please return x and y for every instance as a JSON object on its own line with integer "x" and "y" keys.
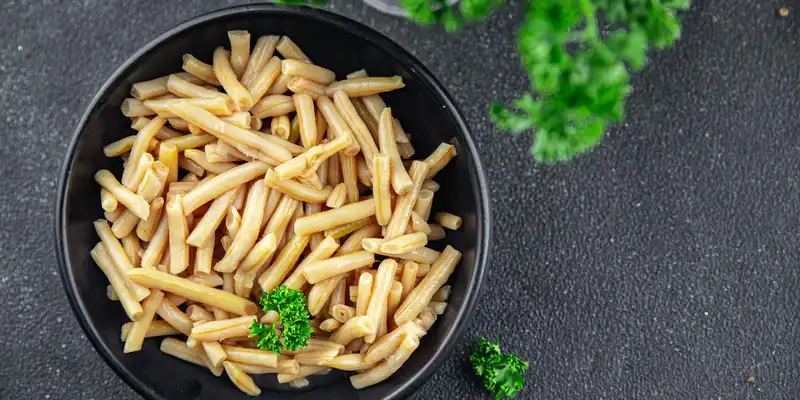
{"x": 662, "y": 265}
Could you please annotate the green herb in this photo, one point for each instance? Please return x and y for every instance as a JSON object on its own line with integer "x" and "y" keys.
{"x": 428, "y": 12}
{"x": 500, "y": 373}
{"x": 292, "y": 307}
{"x": 267, "y": 336}
{"x": 579, "y": 76}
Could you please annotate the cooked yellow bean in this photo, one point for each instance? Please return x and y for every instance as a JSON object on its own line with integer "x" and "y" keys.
{"x": 248, "y": 232}
{"x": 337, "y": 197}
{"x": 259, "y": 254}
{"x": 124, "y": 145}
{"x": 423, "y": 204}
{"x": 401, "y": 181}
{"x": 117, "y": 279}
{"x": 405, "y": 243}
{"x": 325, "y": 249}
{"x": 185, "y": 142}
{"x": 408, "y": 278}
{"x": 356, "y": 327}
{"x": 306, "y": 70}
{"x": 378, "y": 302}
{"x": 115, "y": 251}
{"x": 158, "y": 243}
{"x": 402, "y": 211}
{"x": 239, "y": 118}
{"x": 359, "y": 128}
{"x": 108, "y": 202}
{"x": 343, "y": 313}
{"x": 353, "y": 242}
{"x": 297, "y": 190}
{"x": 179, "y": 349}
{"x": 336, "y": 217}
{"x": 290, "y": 50}
{"x": 387, "y": 367}
{"x": 153, "y": 88}
{"x": 133, "y": 202}
{"x": 321, "y": 292}
{"x": 381, "y": 183}
{"x": 156, "y": 328}
{"x": 163, "y": 132}
{"x": 389, "y": 343}
{"x": 183, "y": 88}
{"x": 330, "y": 324}
{"x": 227, "y": 78}
{"x": 262, "y": 53}
{"x": 319, "y": 270}
{"x": 265, "y": 78}
{"x": 449, "y": 221}
{"x": 349, "y": 362}
{"x": 240, "y": 50}
{"x": 280, "y": 86}
{"x": 169, "y": 312}
{"x": 178, "y": 230}
{"x": 219, "y": 106}
{"x": 421, "y": 295}
{"x": 212, "y": 188}
{"x": 140, "y": 327}
{"x": 218, "y": 330}
{"x": 337, "y": 123}
{"x": 133, "y": 108}
{"x": 417, "y": 224}
{"x": 281, "y": 126}
{"x": 273, "y": 106}
{"x": 356, "y": 87}
{"x": 395, "y": 298}
{"x": 283, "y": 263}
{"x": 422, "y": 255}
{"x": 204, "y": 229}
{"x": 229, "y": 132}
{"x": 193, "y": 291}
{"x": 316, "y": 357}
{"x": 251, "y": 356}
{"x": 305, "y": 370}
{"x": 309, "y": 161}
{"x": 242, "y": 381}
{"x": 199, "y": 69}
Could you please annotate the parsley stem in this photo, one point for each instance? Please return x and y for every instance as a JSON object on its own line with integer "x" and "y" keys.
{"x": 590, "y": 31}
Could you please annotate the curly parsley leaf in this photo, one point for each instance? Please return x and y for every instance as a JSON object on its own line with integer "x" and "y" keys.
{"x": 267, "y": 336}
{"x": 500, "y": 373}
{"x": 579, "y": 78}
{"x": 292, "y": 307}
{"x": 452, "y": 18}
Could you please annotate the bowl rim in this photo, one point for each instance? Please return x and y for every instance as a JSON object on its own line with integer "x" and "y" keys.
{"x": 483, "y": 211}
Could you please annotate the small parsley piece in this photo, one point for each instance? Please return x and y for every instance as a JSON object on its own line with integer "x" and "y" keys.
{"x": 292, "y": 307}
{"x": 267, "y": 336}
{"x": 452, "y": 18}
{"x": 500, "y": 373}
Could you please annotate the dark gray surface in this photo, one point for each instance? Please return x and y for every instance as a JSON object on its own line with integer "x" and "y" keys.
{"x": 661, "y": 265}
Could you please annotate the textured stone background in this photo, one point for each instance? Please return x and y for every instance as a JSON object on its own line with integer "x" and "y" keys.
{"x": 661, "y": 265}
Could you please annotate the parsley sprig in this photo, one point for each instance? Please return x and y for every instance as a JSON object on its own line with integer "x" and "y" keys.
{"x": 428, "y": 12}
{"x": 579, "y": 77}
{"x": 501, "y": 373}
{"x": 292, "y": 306}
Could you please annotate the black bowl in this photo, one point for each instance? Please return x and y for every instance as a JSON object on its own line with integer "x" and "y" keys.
{"x": 425, "y": 109}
